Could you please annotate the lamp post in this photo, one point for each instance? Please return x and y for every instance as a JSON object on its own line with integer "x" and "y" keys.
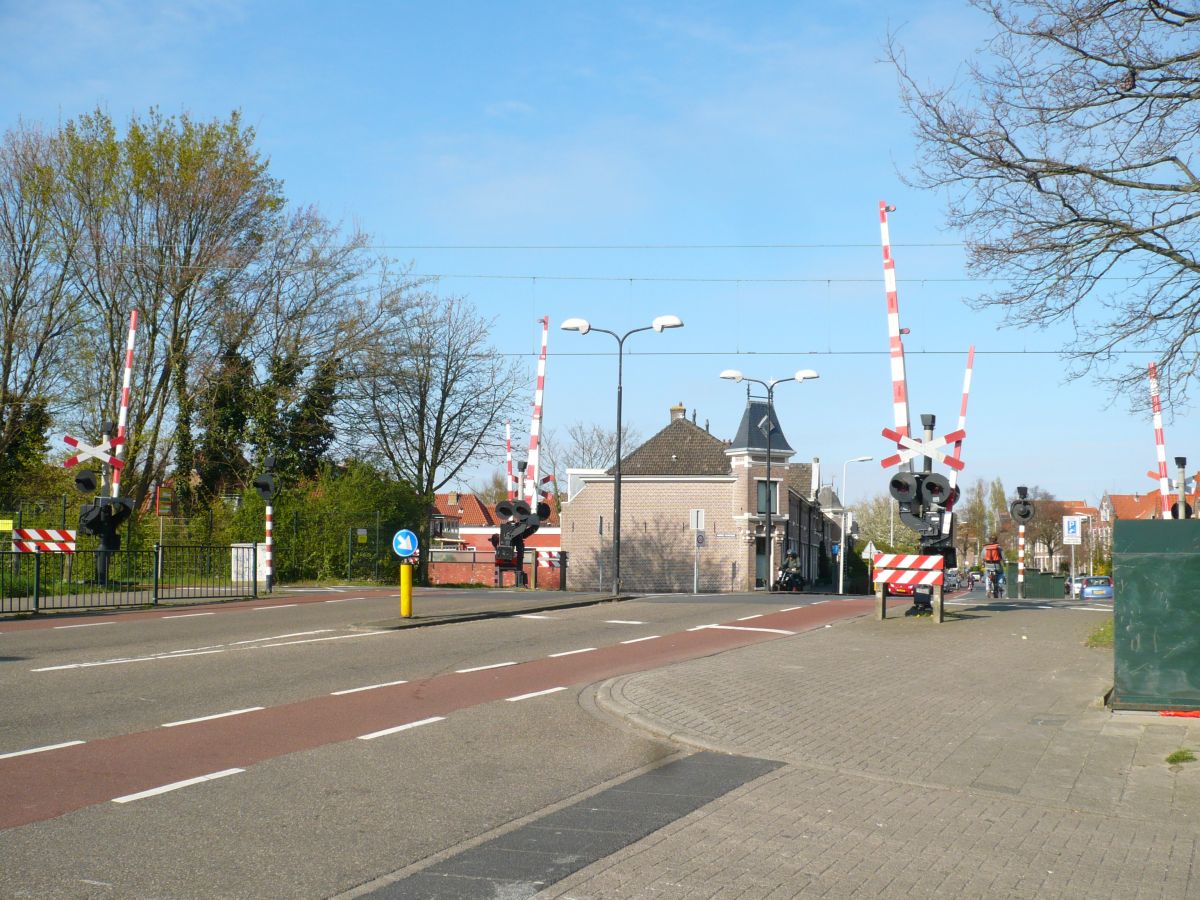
{"x": 583, "y": 326}
{"x": 842, "y": 555}
{"x": 737, "y": 377}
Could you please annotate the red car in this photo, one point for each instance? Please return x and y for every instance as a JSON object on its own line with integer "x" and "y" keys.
{"x": 897, "y": 590}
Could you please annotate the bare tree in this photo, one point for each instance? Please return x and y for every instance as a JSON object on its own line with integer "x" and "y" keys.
{"x": 1045, "y": 529}
{"x": 1068, "y": 158}
{"x": 588, "y": 447}
{"x": 430, "y": 391}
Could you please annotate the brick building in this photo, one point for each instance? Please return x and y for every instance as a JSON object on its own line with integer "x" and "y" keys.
{"x": 685, "y": 468}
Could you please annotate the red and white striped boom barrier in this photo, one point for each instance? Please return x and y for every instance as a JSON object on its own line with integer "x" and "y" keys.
{"x": 549, "y": 559}
{"x": 43, "y": 540}
{"x": 901, "y": 568}
{"x": 532, "y": 486}
{"x": 1160, "y": 444}
{"x": 509, "y": 484}
{"x": 123, "y": 415}
{"x": 895, "y": 343}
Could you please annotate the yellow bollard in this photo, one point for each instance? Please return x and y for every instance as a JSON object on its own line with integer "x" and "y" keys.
{"x": 405, "y": 591}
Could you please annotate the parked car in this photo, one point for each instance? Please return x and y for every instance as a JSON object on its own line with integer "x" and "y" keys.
{"x": 1072, "y": 590}
{"x": 1097, "y": 587}
{"x": 897, "y": 590}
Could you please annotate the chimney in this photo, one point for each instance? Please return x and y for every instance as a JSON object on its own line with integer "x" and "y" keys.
{"x": 679, "y": 411}
{"x": 816, "y": 477}
{"x": 452, "y": 499}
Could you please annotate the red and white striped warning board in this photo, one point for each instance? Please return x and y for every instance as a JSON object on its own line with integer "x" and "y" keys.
{"x": 43, "y": 540}
{"x": 549, "y": 559}
{"x": 901, "y": 568}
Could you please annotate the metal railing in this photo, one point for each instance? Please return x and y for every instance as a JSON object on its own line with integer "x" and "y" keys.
{"x": 90, "y": 579}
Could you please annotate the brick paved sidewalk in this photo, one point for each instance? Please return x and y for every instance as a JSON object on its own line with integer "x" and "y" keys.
{"x": 972, "y": 758}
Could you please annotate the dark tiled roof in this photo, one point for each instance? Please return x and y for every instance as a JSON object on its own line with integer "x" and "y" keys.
{"x": 679, "y": 449}
{"x": 750, "y": 435}
{"x": 799, "y": 478}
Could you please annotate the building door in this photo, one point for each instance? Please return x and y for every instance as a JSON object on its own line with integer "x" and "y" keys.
{"x": 761, "y": 577}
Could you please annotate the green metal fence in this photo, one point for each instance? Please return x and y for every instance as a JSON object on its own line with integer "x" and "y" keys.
{"x": 97, "y": 579}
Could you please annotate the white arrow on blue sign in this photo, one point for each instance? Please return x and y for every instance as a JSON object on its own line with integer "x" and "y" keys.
{"x": 404, "y": 543}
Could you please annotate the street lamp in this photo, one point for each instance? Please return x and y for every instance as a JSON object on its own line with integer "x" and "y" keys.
{"x": 583, "y": 326}
{"x": 737, "y": 377}
{"x": 842, "y": 555}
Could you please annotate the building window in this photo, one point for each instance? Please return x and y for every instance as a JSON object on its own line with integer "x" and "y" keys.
{"x": 762, "y": 497}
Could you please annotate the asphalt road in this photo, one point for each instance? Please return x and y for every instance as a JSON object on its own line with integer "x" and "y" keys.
{"x": 289, "y": 748}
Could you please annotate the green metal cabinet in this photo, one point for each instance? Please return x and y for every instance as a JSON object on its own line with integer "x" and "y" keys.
{"x": 1156, "y": 634}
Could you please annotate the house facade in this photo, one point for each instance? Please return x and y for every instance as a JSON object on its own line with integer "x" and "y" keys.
{"x": 664, "y": 482}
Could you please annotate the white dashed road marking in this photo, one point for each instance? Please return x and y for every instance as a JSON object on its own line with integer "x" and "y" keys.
{"x": 39, "y": 749}
{"x": 85, "y": 625}
{"x": 398, "y": 728}
{"x": 482, "y": 668}
{"x": 232, "y": 712}
{"x": 639, "y": 640}
{"x": 367, "y": 687}
{"x": 175, "y": 786}
{"x": 572, "y": 652}
{"x": 553, "y": 690}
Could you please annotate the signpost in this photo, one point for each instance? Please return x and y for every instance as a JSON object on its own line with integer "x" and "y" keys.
{"x": 696, "y": 521}
{"x": 1072, "y": 536}
{"x": 405, "y": 545}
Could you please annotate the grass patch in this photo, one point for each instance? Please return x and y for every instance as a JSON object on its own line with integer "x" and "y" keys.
{"x": 1101, "y": 636}
{"x": 1181, "y": 755}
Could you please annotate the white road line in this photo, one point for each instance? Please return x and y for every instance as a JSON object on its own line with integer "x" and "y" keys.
{"x": 387, "y": 731}
{"x": 571, "y": 652}
{"x": 85, "y": 625}
{"x": 702, "y": 627}
{"x": 743, "y": 628}
{"x": 280, "y": 637}
{"x": 232, "y": 712}
{"x": 187, "y": 615}
{"x": 340, "y": 600}
{"x": 816, "y": 603}
{"x": 175, "y": 786}
{"x": 532, "y": 616}
{"x": 39, "y": 749}
{"x": 792, "y": 609}
{"x": 748, "y": 618}
{"x": 278, "y": 606}
{"x": 622, "y": 622}
{"x": 368, "y": 687}
{"x": 338, "y": 637}
{"x": 639, "y": 640}
{"x": 482, "y": 668}
{"x": 553, "y": 690}
{"x": 1103, "y": 609}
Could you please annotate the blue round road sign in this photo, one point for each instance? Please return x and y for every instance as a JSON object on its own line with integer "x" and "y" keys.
{"x": 404, "y": 543}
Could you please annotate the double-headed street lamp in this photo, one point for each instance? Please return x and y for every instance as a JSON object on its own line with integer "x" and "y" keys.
{"x": 842, "y": 554}
{"x": 583, "y": 326}
{"x": 737, "y": 377}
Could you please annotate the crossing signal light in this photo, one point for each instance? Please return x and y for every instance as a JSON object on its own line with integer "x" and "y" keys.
{"x": 85, "y": 481}
{"x": 1187, "y": 510}
{"x": 265, "y": 485}
{"x": 1021, "y": 510}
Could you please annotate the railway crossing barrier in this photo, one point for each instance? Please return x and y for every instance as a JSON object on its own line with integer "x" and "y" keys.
{"x": 921, "y": 571}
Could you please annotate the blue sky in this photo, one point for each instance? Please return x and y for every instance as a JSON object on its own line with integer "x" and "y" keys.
{"x": 462, "y": 136}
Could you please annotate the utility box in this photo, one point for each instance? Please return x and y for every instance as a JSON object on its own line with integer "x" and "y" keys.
{"x": 1156, "y": 634}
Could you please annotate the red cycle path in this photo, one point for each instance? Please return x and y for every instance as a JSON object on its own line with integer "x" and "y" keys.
{"x": 44, "y": 785}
